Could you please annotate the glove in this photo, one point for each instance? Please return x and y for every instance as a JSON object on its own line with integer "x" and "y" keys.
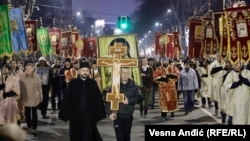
{"x": 2, "y": 86}
{"x": 9, "y": 94}
{"x": 196, "y": 90}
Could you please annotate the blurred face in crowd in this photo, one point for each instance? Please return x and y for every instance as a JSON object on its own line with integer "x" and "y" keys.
{"x": 42, "y": 63}
{"x": 94, "y": 67}
{"x": 125, "y": 74}
{"x": 29, "y": 69}
{"x": 13, "y": 64}
{"x": 144, "y": 61}
{"x": 186, "y": 66}
{"x": 57, "y": 62}
{"x": 67, "y": 64}
{"x": 20, "y": 66}
{"x": 84, "y": 72}
{"x": 5, "y": 70}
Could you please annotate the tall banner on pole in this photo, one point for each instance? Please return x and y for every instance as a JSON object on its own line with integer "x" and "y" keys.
{"x": 209, "y": 42}
{"x": 224, "y": 45}
{"x": 55, "y": 37}
{"x": 5, "y": 35}
{"x": 238, "y": 28}
{"x": 159, "y": 47}
{"x": 217, "y": 20}
{"x": 177, "y": 44}
{"x": 65, "y": 44}
{"x": 169, "y": 45}
{"x": 44, "y": 41}
{"x": 107, "y": 49}
{"x": 90, "y": 47}
{"x": 195, "y": 37}
{"x": 31, "y": 27}
{"x": 18, "y": 30}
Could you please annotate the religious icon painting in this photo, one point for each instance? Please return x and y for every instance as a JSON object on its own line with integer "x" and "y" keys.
{"x": 106, "y": 44}
{"x": 43, "y": 72}
{"x": 242, "y": 30}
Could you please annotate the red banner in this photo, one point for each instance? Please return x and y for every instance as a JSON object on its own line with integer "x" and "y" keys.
{"x": 177, "y": 44}
{"x": 65, "y": 49}
{"x": 74, "y": 38}
{"x": 217, "y": 20}
{"x": 209, "y": 42}
{"x": 195, "y": 37}
{"x": 90, "y": 47}
{"x": 55, "y": 38}
{"x": 238, "y": 26}
{"x": 169, "y": 45}
{"x": 159, "y": 46}
{"x": 31, "y": 27}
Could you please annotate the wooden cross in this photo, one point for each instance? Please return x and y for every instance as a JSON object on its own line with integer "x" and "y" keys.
{"x": 115, "y": 97}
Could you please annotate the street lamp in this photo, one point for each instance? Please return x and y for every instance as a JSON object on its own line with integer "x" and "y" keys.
{"x": 160, "y": 25}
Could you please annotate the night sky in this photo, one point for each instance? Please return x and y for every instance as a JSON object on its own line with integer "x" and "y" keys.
{"x": 105, "y": 9}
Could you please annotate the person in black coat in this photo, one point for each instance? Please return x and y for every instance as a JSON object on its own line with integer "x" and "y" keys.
{"x": 123, "y": 118}
{"x": 83, "y": 107}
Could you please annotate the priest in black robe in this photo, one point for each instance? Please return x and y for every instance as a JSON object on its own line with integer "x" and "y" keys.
{"x": 83, "y": 107}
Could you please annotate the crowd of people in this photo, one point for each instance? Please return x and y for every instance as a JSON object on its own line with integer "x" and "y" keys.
{"x": 26, "y": 89}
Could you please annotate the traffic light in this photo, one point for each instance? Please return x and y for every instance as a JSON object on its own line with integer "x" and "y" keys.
{"x": 124, "y": 22}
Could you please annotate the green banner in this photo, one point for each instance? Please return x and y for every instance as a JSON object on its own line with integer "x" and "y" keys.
{"x": 43, "y": 41}
{"x": 5, "y": 36}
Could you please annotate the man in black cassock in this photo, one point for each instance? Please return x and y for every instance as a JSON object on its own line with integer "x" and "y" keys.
{"x": 83, "y": 106}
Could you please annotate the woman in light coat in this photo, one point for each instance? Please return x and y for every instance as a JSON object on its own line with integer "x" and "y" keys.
{"x": 31, "y": 96}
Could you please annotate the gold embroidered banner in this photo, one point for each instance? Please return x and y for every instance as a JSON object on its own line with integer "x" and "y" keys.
{"x": 90, "y": 47}
{"x": 209, "y": 42}
{"x": 65, "y": 44}
{"x": 217, "y": 23}
{"x": 104, "y": 45}
{"x": 31, "y": 27}
{"x": 177, "y": 44}
{"x": 224, "y": 46}
{"x": 55, "y": 37}
{"x": 169, "y": 45}
{"x": 159, "y": 46}
{"x": 238, "y": 28}
{"x": 195, "y": 37}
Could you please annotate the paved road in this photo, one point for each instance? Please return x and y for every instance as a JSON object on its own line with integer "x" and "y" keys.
{"x": 54, "y": 129}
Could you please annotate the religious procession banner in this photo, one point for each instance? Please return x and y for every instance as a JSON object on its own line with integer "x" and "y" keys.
{"x": 177, "y": 44}
{"x": 169, "y": 44}
{"x": 44, "y": 41}
{"x": 217, "y": 22}
{"x": 31, "y": 27}
{"x": 238, "y": 28}
{"x": 159, "y": 45}
{"x": 105, "y": 43}
{"x": 55, "y": 37}
{"x": 209, "y": 42}
{"x": 65, "y": 44}
{"x": 195, "y": 37}
{"x": 18, "y": 30}
{"x": 90, "y": 47}
{"x": 74, "y": 37}
{"x": 224, "y": 45}
{"x": 5, "y": 35}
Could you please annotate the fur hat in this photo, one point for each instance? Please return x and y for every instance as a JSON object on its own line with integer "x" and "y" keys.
{"x": 42, "y": 59}
{"x": 67, "y": 60}
{"x": 84, "y": 65}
